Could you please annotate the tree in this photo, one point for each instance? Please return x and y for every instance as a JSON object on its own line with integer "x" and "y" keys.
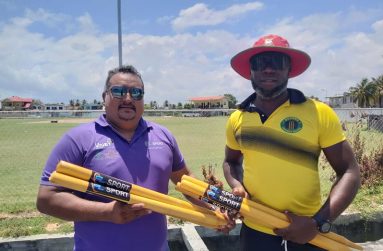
{"x": 153, "y": 105}
{"x": 379, "y": 89}
{"x": 179, "y": 105}
{"x": 71, "y": 103}
{"x": 166, "y": 103}
{"x": 313, "y": 97}
{"x": 37, "y": 104}
{"x": 231, "y": 100}
{"x": 364, "y": 93}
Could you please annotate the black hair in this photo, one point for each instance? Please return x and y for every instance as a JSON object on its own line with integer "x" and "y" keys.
{"x": 130, "y": 69}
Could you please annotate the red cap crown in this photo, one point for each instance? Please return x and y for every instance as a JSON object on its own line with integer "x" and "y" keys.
{"x": 272, "y": 40}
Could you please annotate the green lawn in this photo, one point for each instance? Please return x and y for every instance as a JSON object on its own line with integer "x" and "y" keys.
{"x": 26, "y": 144}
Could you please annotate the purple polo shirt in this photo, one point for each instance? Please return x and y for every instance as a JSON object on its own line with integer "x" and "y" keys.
{"x": 148, "y": 161}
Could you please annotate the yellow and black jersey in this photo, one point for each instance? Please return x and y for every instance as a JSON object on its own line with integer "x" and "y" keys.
{"x": 281, "y": 151}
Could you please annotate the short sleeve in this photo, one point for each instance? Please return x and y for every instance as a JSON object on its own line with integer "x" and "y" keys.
{"x": 330, "y": 128}
{"x": 231, "y": 140}
{"x": 178, "y": 159}
{"x": 66, "y": 149}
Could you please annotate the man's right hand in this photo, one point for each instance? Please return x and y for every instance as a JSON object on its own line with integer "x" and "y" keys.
{"x": 120, "y": 212}
{"x": 240, "y": 191}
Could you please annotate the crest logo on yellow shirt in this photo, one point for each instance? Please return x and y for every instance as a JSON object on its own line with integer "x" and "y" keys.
{"x": 291, "y": 125}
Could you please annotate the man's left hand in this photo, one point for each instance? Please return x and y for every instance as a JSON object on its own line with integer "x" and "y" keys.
{"x": 301, "y": 230}
{"x": 230, "y": 219}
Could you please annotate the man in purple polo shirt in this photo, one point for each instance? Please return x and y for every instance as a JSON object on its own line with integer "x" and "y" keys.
{"x": 122, "y": 144}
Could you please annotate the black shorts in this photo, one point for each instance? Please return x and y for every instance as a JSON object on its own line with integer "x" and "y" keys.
{"x": 252, "y": 240}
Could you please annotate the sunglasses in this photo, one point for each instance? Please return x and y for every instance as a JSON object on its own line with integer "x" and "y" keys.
{"x": 120, "y": 92}
{"x": 276, "y": 60}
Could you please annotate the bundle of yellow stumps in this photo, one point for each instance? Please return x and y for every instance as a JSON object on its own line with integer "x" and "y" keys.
{"x": 85, "y": 180}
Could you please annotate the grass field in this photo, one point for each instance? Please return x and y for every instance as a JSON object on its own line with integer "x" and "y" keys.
{"x": 26, "y": 144}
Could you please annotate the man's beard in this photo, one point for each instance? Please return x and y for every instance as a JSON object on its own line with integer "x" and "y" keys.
{"x": 270, "y": 94}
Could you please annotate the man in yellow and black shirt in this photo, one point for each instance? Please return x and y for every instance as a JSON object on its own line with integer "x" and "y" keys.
{"x": 273, "y": 142}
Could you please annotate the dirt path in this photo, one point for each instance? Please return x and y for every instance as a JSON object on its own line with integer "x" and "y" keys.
{"x": 79, "y": 120}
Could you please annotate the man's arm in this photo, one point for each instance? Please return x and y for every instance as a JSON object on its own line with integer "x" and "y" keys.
{"x": 341, "y": 158}
{"x": 65, "y": 205}
{"x": 233, "y": 171}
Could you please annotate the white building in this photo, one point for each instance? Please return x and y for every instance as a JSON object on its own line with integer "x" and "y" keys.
{"x": 54, "y": 107}
{"x": 342, "y": 101}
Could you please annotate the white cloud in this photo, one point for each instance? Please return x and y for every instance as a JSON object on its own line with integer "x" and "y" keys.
{"x": 177, "y": 67}
{"x": 38, "y": 66}
{"x": 340, "y": 57}
{"x": 201, "y": 15}
{"x": 49, "y": 19}
{"x": 378, "y": 27}
{"x": 86, "y": 23}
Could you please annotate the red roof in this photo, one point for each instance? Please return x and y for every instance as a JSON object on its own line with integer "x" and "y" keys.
{"x": 210, "y": 98}
{"x": 18, "y": 99}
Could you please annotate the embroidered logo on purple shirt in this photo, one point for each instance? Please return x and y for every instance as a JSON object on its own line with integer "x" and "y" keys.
{"x": 154, "y": 145}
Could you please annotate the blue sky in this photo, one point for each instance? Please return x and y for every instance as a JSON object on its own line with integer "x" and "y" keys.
{"x": 61, "y": 50}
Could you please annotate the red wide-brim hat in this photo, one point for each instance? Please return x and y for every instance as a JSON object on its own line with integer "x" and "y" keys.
{"x": 300, "y": 60}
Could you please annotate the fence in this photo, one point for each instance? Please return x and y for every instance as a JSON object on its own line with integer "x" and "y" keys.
{"x": 95, "y": 113}
{"x": 26, "y": 139}
{"x": 344, "y": 114}
{"x": 372, "y": 118}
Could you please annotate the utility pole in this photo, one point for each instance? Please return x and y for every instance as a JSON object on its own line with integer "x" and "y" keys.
{"x": 325, "y": 90}
{"x": 119, "y": 33}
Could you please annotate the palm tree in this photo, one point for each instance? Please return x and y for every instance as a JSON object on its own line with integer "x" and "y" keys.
{"x": 379, "y": 89}
{"x": 71, "y": 103}
{"x": 364, "y": 93}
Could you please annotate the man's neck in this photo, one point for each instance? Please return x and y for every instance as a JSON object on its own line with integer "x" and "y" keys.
{"x": 126, "y": 132}
{"x": 268, "y": 106}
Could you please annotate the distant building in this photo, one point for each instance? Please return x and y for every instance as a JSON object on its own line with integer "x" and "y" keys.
{"x": 54, "y": 107}
{"x": 93, "y": 107}
{"x": 38, "y": 107}
{"x": 211, "y": 102}
{"x": 16, "y": 103}
{"x": 342, "y": 101}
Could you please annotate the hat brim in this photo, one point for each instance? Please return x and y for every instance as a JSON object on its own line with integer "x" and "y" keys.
{"x": 300, "y": 60}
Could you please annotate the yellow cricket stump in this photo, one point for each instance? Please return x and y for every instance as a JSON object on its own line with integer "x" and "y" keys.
{"x": 253, "y": 204}
{"x": 277, "y": 214}
{"x": 156, "y": 206}
{"x": 89, "y": 175}
{"x": 268, "y": 217}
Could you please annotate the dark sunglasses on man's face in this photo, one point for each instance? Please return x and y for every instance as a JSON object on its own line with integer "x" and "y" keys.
{"x": 121, "y": 91}
{"x": 275, "y": 60}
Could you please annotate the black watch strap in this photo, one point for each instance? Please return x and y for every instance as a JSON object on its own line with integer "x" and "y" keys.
{"x": 323, "y": 225}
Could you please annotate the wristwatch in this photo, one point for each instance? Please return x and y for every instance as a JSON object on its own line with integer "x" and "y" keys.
{"x": 324, "y": 226}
